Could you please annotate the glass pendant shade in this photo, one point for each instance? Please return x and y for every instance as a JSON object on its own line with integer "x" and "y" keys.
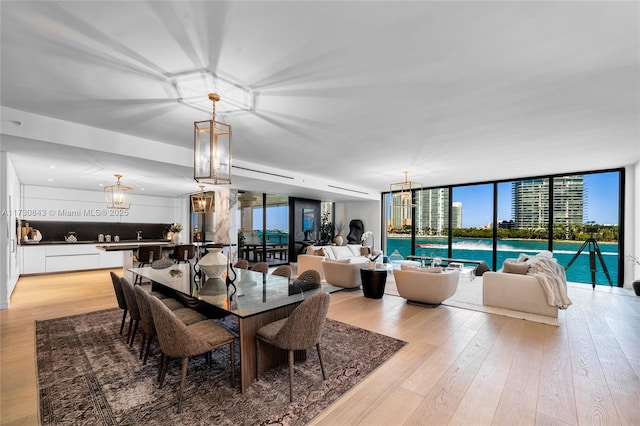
{"x": 212, "y": 149}
{"x": 118, "y": 196}
{"x": 202, "y": 202}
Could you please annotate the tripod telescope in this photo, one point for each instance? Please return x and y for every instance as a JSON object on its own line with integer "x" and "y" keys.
{"x": 593, "y": 250}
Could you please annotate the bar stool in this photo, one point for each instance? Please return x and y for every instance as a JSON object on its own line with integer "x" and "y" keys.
{"x": 146, "y": 255}
{"x": 184, "y": 253}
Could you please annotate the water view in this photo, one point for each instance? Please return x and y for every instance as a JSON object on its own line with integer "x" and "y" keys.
{"x": 481, "y": 249}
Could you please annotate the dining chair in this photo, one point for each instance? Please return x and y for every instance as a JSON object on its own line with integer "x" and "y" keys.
{"x": 309, "y": 276}
{"x": 132, "y": 306}
{"x": 178, "y": 340}
{"x": 186, "y": 315}
{"x": 241, "y": 264}
{"x": 282, "y": 271}
{"x": 122, "y": 302}
{"x": 183, "y": 253}
{"x": 260, "y": 267}
{"x": 300, "y": 331}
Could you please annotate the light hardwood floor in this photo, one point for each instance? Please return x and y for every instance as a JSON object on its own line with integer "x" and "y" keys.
{"x": 459, "y": 368}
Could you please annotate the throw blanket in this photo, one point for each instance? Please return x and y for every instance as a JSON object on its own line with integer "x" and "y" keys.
{"x": 552, "y": 279}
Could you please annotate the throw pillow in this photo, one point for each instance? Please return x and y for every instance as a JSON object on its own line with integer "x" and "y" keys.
{"x": 365, "y": 251}
{"x": 319, "y": 252}
{"x": 340, "y": 252}
{"x": 523, "y": 257}
{"x": 355, "y": 249}
{"x": 515, "y": 268}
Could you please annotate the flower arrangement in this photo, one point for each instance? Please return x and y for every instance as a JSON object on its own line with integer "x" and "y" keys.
{"x": 365, "y": 237}
{"x": 176, "y": 227}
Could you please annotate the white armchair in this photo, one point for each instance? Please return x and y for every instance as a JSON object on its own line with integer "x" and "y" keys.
{"x": 427, "y": 288}
{"x": 342, "y": 274}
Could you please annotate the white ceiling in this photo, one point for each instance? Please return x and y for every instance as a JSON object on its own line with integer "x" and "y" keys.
{"x": 354, "y": 92}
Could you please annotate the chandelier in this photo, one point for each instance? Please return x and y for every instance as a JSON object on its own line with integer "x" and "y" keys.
{"x": 202, "y": 202}
{"x": 118, "y": 196}
{"x": 401, "y": 194}
{"x": 212, "y": 149}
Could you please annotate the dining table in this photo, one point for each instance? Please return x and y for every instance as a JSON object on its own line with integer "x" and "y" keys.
{"x": 254, "y": 298}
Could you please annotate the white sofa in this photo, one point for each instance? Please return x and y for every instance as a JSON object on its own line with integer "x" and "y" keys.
{"x": 342, "y": 274}
{"x": 424, "y": 287}
{"x": 516, "y": 292}
{"x": 316, "y": 254}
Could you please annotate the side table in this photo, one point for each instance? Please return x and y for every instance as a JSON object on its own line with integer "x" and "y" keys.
{"x": 373, "y": 282}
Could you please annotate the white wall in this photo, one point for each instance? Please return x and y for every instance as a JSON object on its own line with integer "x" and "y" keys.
{"x": 632, "y": 223}
{"x": 367, "y": 211}
{"x": 9, "y": 205}
{"x": 61, "y": 204}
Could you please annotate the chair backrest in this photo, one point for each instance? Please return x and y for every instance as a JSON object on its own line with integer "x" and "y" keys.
{"x": 174, "y": 337}
{"x": 303, "y": 328}
{"x": 356, "y": 229}
{"x": 282, "y": 271}
{"x": 130, "y": 297}
{"x": 184, "y": 252}
{"x": 117, "y": 287}
{"x": 241, "y": 264}
{"x": 147, "y": 254}
{"x": 260, "y": 267}
{"x": 310, "y": 276}
{"x": 142, "y": 297}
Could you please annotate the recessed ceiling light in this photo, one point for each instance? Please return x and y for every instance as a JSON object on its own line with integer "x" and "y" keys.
{"x": 100, "y": 184}
{"x": 50, "y": 180}
{"x": 141, "y": 189}
{"x": 52, "y": 166}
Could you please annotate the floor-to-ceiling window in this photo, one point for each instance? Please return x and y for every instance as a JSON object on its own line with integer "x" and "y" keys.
{"x": 472, "y": 222}
{"x": 576, "y": 216}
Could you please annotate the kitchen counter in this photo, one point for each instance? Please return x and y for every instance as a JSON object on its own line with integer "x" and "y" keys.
{"x": 96, "y": 243}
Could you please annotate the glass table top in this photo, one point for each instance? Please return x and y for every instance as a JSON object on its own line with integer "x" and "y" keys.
{"x": 255, "y": 292}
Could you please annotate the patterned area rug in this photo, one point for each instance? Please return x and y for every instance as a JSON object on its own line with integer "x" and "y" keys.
{"x": 88, "y": 375}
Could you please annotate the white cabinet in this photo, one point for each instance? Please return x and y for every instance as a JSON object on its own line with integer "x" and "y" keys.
{"x": 66, "y": 257}
{"x": 33, "y": 260}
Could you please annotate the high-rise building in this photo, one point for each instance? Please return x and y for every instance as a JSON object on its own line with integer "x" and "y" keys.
{"x": 530, "y": 201}
{"x": 456, "y": 214}
{"x": 432, "y": 214}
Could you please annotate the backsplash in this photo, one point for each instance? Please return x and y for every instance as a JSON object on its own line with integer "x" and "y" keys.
{"x": 88, "y": 231}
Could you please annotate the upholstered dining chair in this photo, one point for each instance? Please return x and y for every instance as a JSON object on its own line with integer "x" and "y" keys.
{"x": 132, "y": 306}
{"x": 186, "y": 315}
{"x": 282, "y": 271}
{"x": 122, "y": 302}
{"x": 310, "y": 276}
{"x": 178, "y": 340}
{"x": 241, "y": 264}
{"x": 183, "y": 253}
{"x": 260, "y": 267}
{"x": 301, "y": 330}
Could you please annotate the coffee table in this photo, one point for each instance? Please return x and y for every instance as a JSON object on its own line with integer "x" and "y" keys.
{"x": 373, "y": 282}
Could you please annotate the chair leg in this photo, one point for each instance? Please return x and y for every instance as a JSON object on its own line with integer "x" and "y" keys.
{"x": 144, "y": 340}
{"x": 130, "y": 327}
{"x": 324, "y": 377}
{"x": 146, "y": 352}
{"x": 185, "y": 363}
{"x": 232, "y": 355}
{"x": 290, "y": 376}
{"x": 135, "y": 330}
{"x": 124, "y": 319}
{"x": 163, "y": 369}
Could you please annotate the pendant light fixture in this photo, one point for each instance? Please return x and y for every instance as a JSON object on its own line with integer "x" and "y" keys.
{"x": 401, "y": 194}
{"x": 202, "y": 202}
{"x": 212, "y": 149}
{"x": 118, "y": 196}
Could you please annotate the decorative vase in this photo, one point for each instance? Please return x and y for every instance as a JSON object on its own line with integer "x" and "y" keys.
{"x": 372, "y": 265}
{"x": 214, "y": 263}
{"x": 175, "y": 238}
{"x": 338, "y": 240}
{"x": 636, "y": 287}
